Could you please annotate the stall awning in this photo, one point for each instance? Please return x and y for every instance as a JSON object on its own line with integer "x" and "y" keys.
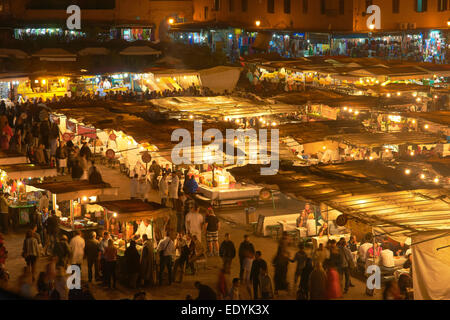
{"x": 8, "y": 158}
{"x": 55, "y": 54}
{"x": 139, "y": 51}
{"x": 28, "y": 170}
{"x": 381, "y": 139}
{"x": 71, "y": 190}
{"x": 135, "y": 209}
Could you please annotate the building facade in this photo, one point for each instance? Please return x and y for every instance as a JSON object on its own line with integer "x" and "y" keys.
{"x": 413, "y": 29}
{"x": 325, "y": 15}
{"x": 126, "y": 19}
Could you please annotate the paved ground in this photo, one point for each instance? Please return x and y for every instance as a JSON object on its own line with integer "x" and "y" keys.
{"x": 232, "y": 221}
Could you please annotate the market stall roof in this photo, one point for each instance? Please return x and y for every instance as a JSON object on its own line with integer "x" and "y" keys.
{"x": 307, "y": 132}
{"x": 395, "y": 87}
{"x": 13, "y": 76}
{"x": 197, "y": 26}
{"x": 8, "y": 158}
{"x": 94, "y": 51}
{"x": 71, "y": 190}
{"x": 380, "y": 139}
{"x": 139, "y": 51}
{"x": 135, "y": 209}
{"x": 13, "y": 53}
{"x": 390, "y": 207}
{"x": 28, "y": 170}
{"x": 222, "y": 106}
{"x": 167, "y": 72}
{"x": 157, "y": 132}
{"x": 55, "y": 54}
{"x": 441, "y": 117}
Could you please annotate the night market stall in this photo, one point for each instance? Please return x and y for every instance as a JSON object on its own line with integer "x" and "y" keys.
{"x": 23, "y": 199}
{"x": 68, "y": 199}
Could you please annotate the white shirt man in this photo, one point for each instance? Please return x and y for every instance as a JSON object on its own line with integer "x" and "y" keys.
{"x": 363, "y": 250}
{"x": 387, "y": 258}
{"x": 77, "y": 246}
{"x": 167, "y": 246}
{"x": 194, "y": 222}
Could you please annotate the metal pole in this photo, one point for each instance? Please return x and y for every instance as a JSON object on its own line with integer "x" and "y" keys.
{"x": 71, "y": 213}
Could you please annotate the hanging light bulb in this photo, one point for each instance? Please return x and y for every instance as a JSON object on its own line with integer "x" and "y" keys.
{"x": 422, "y": 176}
{"x": 436, "y": 180}
{"x": 407, "y": 171}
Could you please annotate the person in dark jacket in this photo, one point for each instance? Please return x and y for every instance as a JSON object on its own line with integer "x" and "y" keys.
{"x": 245, "y": 248}
{"x": 227, "y": 252}
{"x": 52, "y": 230}
{"x": 205, "y": 292}
{"x": 77, "y": 170}
{"x": 191, "y": 185}
{"x": 62, "y": 251}
{"x": 92, "y": 254}
{"x": 133, "y": 263}
{"x": 257, "y": 265}
{"x": 85, "y": 151}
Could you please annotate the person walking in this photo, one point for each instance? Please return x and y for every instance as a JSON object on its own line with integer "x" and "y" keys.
{"x": 173, "y": 189}
{"x": 103, "y": 245}
{"x": 300, "y": 258}
{"x": 194, "y": 221}
{"x": 147, "y": 261}
{"x": 346, "y": 264}
{"x": 212, "y": 226}
{"x": 245, "y": 248}
{"x": 52, "y": 231}
{"x": 318, "y": 283}
{"x": 281, "y": 262}
{"x": 61, "y": 157}
{"x": 77, "y": 245}
{"x": 132, "y": 263}
{"x": 182, "y": 248}
{"x": 303, "y": 292}
{"x": 30, "y": 252}
{"x": 255, "y": 273}
{"x": 163, "y": 190}
{"x": 227, "y": 252}
{"x": 92, "y": 255}
{"x": 266, "y": 284}
{"x": 62, "y": 252}
{"x": 166, "y": 250}
{"x": 110, "y": 255}
{"x": 333, "y": 283}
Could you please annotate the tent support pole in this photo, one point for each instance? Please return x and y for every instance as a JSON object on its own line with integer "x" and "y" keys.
{"x": 71, "y": 213}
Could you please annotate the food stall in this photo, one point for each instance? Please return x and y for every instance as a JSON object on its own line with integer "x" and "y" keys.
{"x": 14, "y": 180}
{"x": 44, "y": 87}
{"x": 125, "y": 212}
{"x": 129, "y": 212}
{"x": 224, "y": 189}
{"x": 71, "y": 196}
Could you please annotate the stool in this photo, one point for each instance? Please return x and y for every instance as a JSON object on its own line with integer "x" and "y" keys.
{"x": 294, "y": 236}
{"x": 254, "y": 225}
{"x": 274, "y": 229}
{"x": 200, "y": 262}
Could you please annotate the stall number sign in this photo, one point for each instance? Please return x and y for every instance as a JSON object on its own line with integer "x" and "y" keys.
{"x": 67, "y": 137}
{"x": 110, "y": 153}
{"x": 146, "y": 157}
